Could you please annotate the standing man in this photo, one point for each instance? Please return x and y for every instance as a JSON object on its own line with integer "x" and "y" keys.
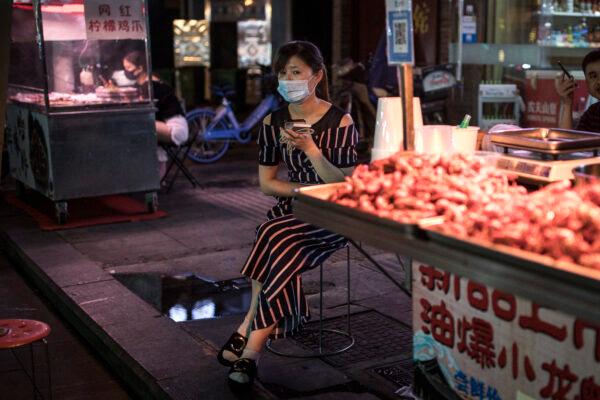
{"x": 590, "y": 120}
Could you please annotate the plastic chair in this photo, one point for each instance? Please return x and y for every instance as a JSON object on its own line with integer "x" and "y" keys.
{"x": 15, "y": 333}
{"x": 321, "y": 329}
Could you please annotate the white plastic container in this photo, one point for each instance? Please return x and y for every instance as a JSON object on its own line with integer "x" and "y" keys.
{"x": 433, "y": 139}
{"x": 389, "y": 131}
{"x": 464, "y": 140}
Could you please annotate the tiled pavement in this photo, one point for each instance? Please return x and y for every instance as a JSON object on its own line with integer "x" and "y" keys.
{"x": 208, "y": 232}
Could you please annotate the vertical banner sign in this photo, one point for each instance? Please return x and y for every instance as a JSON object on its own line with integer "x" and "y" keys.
{"x": 399, "y": 32}
{"x": 115, "y": 19}
{"x": 491, "y": 344}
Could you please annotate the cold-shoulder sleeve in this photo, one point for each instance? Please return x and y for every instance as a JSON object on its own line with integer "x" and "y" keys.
{"x": 268, "y": 146}
{"x": 339, "y": 146}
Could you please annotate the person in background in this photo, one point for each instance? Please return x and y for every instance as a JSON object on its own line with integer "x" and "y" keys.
{"x": 284, "y": 246}
{"x": 171, "y": 125}
{"x": 590, "y": 120}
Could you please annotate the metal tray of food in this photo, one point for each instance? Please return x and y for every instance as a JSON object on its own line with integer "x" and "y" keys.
{"x": 317, "y": 195}
{"x": 507, "y": 254}
{"x": 547, "y": 140}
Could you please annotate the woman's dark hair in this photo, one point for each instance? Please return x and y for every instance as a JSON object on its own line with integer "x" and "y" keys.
{"x": 590, "y": 57}
{"x": 311, "y": 55}
{"x": 137, "y": 58}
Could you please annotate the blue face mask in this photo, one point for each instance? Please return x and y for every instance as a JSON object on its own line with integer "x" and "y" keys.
{"x": 295, "y": 91}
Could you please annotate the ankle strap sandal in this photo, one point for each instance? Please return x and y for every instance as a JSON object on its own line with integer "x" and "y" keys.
{"x": 235, "y": 345}
{"x": 245, "y": 366}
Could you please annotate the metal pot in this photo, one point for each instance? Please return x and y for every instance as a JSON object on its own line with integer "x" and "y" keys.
{"x": 587, "y": 174}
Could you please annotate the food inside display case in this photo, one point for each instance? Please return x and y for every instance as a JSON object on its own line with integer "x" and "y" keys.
{"x": 81, "y": 60}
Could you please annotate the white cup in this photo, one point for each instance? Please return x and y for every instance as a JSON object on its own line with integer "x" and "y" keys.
{"x": 464, "y": 140}
{"x": 433, "y": 139}
{"x": 389, "y": 131}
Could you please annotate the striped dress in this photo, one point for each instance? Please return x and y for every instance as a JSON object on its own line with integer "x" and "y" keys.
{"x": 285, "y": 246}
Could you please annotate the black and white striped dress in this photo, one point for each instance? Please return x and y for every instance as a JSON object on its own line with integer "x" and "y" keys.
{"x": 285, "y": 246}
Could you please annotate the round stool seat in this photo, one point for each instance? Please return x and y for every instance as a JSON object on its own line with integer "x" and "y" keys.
{"x": 18, "y": 332}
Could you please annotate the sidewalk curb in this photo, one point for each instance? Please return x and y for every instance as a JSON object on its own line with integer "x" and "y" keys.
{"x": 138, "y": 380}
{"x": 154, "y": 357}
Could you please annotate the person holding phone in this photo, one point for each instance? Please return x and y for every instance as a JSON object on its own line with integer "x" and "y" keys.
{"x": 565, "y": 86}
{"x": 316, "y": 142}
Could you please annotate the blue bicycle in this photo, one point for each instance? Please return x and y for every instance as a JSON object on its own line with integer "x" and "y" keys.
{"x": 212, "y": 130}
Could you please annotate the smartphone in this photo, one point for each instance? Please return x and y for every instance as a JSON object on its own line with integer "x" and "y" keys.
{"x": 567, "y": 74}
{"x": 298, "y": 125}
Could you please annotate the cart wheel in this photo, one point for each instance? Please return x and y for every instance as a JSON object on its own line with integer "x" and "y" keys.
{"x": 152, "y": 202}
{"x": 20, "y": 190}
{"x": 61, "y": 211}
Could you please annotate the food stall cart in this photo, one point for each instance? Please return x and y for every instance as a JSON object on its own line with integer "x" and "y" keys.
{"x": 497, "y": 321}
{"x": 72, "y": 131}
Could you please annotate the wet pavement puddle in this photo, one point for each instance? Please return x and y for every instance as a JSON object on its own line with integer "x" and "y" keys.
{"x": 187, "y": 296}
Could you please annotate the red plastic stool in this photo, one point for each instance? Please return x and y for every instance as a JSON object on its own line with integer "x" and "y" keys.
{"x": 15, "y": 333}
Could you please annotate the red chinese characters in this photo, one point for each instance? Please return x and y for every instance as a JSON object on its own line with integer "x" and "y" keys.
{"x": 109, "y": 25}
{"x": 560, "y": 381}
{"x": 124, "y": 26}
{"x": 94, "y": 25}
{"x": 506, "y": 314}
{"x": 578, "y": 328}
{"x": 136, "y": 26}
{"x": 125, "y": 11}
{"x": 479, "y": 345}
{"x": 535, "y": 323}
{"x": 433, "y": 278}
{"x": 441, "y": 322}
{"x": 588, "y": 390}
{"x": 104, "y": 9}
{"x": 477, "y": 295}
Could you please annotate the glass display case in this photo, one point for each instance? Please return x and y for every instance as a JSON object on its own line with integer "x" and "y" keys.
{"x": 77, "y": 125}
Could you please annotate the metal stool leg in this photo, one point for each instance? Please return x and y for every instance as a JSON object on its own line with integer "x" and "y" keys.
{"x": 320, "y": 352}
{"x": 32, "y": 370}
{"x": 49, "y": 369}
{"x": 348, "y": 289}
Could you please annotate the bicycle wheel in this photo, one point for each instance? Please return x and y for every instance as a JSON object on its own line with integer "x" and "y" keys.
{"x": 205, "y": 151}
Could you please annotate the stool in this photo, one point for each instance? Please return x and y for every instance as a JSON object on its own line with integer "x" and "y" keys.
{"x": 175, "y": 159}
{"x": 320, "y": 352}
{"x": 15, "y": 333}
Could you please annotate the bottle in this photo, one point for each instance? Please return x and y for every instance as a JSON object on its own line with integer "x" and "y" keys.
{"x": 583, "y": 33}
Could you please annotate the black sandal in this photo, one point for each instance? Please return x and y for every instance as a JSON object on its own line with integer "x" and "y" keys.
{"x": 235, "y": 345}
{"x": 245, "y": 366}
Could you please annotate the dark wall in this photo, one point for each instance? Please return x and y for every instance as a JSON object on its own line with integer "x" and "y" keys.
{"x": 161, "y": 17}
{"x": 311, "y": 20}
{"x": 368, "y": 25}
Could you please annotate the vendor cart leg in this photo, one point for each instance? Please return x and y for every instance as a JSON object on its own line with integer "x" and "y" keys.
{"x": 152, "y": 202}
{"x": 61, "y": 211}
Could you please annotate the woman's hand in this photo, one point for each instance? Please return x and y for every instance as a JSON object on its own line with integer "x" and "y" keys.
{"x": 301, "y": 141}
